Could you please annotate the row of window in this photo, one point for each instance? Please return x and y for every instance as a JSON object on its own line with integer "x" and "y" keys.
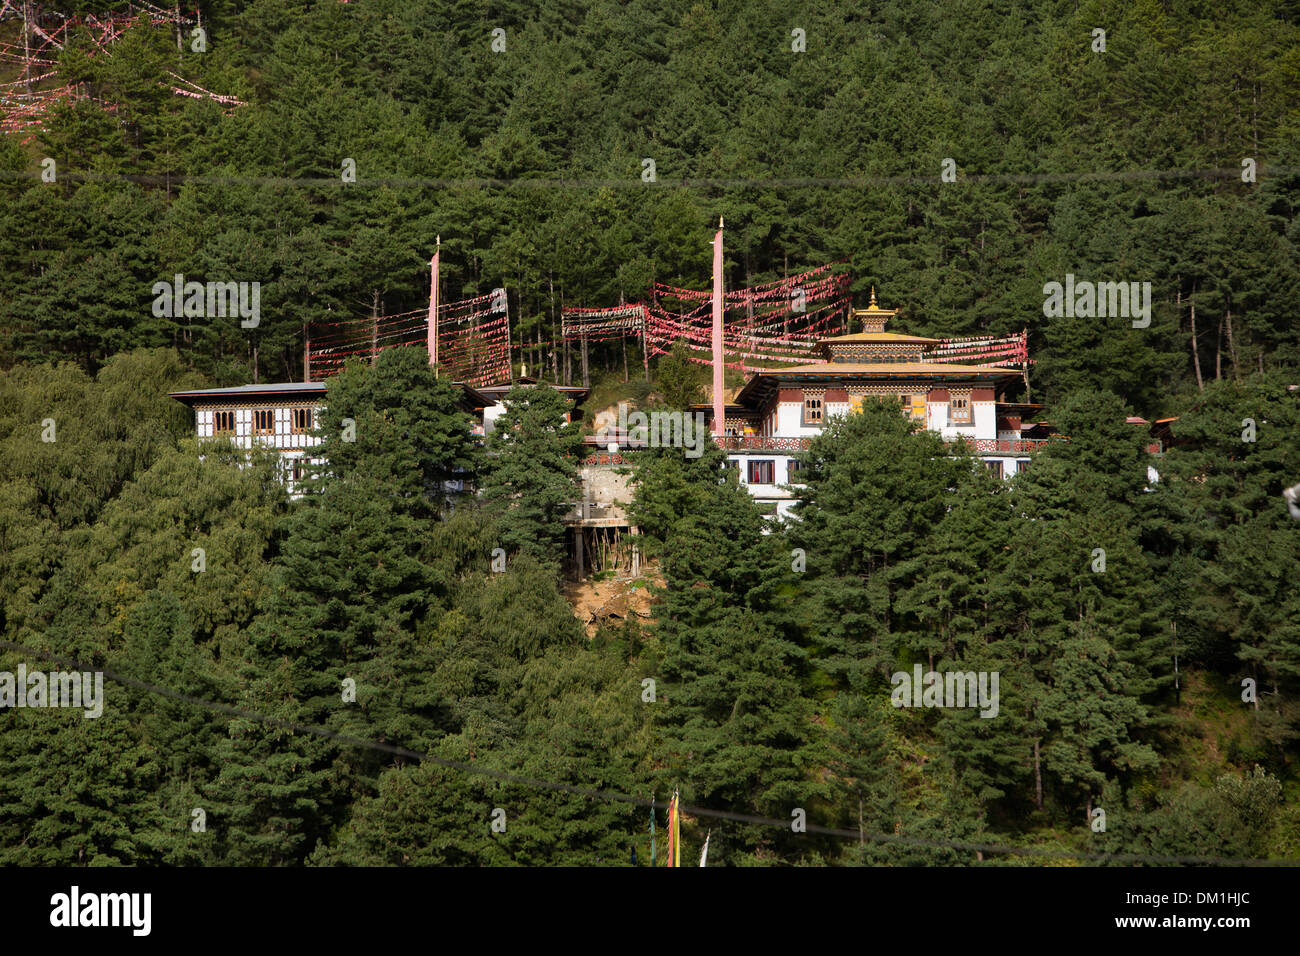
{"x": 762, "y": 471}
{"x": 878, "y": 358}
{"x": 1013, "y": 468}
{"x": 302, "y": 421}
{"x": 914, "y": 403}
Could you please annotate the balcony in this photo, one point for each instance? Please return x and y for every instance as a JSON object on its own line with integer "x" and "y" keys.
{"x": 606, "y": 458}
{"x": 790, "y": 446}
{"x": 990, "y": 446}
{"x": 591, "y": 514}
{"x": 981, "y": 446}
{"x": 762, "y": 443}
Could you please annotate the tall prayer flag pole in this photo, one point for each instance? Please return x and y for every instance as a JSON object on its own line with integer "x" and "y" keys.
{"x": 433, "y": 305}
{"x": 719, "y": 427}
{"x": 652, "y": 830}
{"x": 675, "y": 831}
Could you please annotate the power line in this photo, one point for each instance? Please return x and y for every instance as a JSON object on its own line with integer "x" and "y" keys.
{"x": 633, "y": 182}
{"x": 612, "y": 796}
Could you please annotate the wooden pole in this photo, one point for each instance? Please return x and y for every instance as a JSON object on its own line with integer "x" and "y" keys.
{"x": 510, "y": 360}
{"x": 374, "y": 326}
{"x": 1196, "y": 357}
{"x": 1232, "y": 346}
{"x": 1024, "y": 361}
{"x": 719, "y": 427}
{"x": 586, "y": 374}
{"x": 27, "y": 45}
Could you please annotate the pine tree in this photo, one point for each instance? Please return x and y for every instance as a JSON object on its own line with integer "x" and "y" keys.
{"x": 531, "y": 473}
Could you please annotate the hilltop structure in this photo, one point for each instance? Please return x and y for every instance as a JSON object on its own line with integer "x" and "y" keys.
{"x": 773, "y": 418}
{"x": 283, "y": 417}
{"x": 779, "y": 410}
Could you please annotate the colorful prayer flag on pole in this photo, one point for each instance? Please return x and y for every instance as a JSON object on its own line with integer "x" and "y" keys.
{"x": 674, "y": 832}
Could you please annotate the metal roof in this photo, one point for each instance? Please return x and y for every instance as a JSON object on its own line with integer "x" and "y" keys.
{"x": 469, "y": 396}
{"x": 238, "y": 391}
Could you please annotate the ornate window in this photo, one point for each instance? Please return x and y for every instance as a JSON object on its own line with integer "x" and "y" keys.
{"x": 263, "y": 421}
{"x": 762, "y": 471}
{"x": 812, "y": 411}
{"x": 959, "y": 409}
{"x": 302, "y": 421}
{"x": 223, "y": 423}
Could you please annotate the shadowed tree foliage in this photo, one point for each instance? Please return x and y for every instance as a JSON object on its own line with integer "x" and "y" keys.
{"x": 530, "y": 479}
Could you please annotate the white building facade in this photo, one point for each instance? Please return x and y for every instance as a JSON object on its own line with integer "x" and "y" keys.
{"x": 284, "y": 417}
{"x": 779, "y": 410}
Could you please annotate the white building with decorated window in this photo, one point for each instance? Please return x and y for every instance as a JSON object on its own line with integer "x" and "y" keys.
{"x": 779, "y": 410}
{"x": 284, "y": 417}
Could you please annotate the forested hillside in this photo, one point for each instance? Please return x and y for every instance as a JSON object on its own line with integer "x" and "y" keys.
{"x": 528, "y": 160}
{"x": 770, "y": 649}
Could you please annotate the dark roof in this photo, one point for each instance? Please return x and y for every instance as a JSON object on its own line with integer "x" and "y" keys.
{"x": 471, "y": 398}
{"x": 280, "y": 390}
{"x": 766, "y": 379}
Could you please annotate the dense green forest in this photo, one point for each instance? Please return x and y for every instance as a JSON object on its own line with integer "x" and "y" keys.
{"x": 771, "y": 652}
{"x": 528, "y": 161}
{"x": 770, "y": 647}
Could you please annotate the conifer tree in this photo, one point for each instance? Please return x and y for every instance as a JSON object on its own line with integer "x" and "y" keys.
{"x": 531, "y": 473}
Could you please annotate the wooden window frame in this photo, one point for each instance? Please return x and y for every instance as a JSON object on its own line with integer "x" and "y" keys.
{"x": 755, "y": 464}
{"x": 913, "y": 409}
{"x": 820, "y": 409}
{"x": 217, "y": 416}
{"x": 967, "y": 416}
{"x": 270, "y": 413}
{"x": 298, "y": 429}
